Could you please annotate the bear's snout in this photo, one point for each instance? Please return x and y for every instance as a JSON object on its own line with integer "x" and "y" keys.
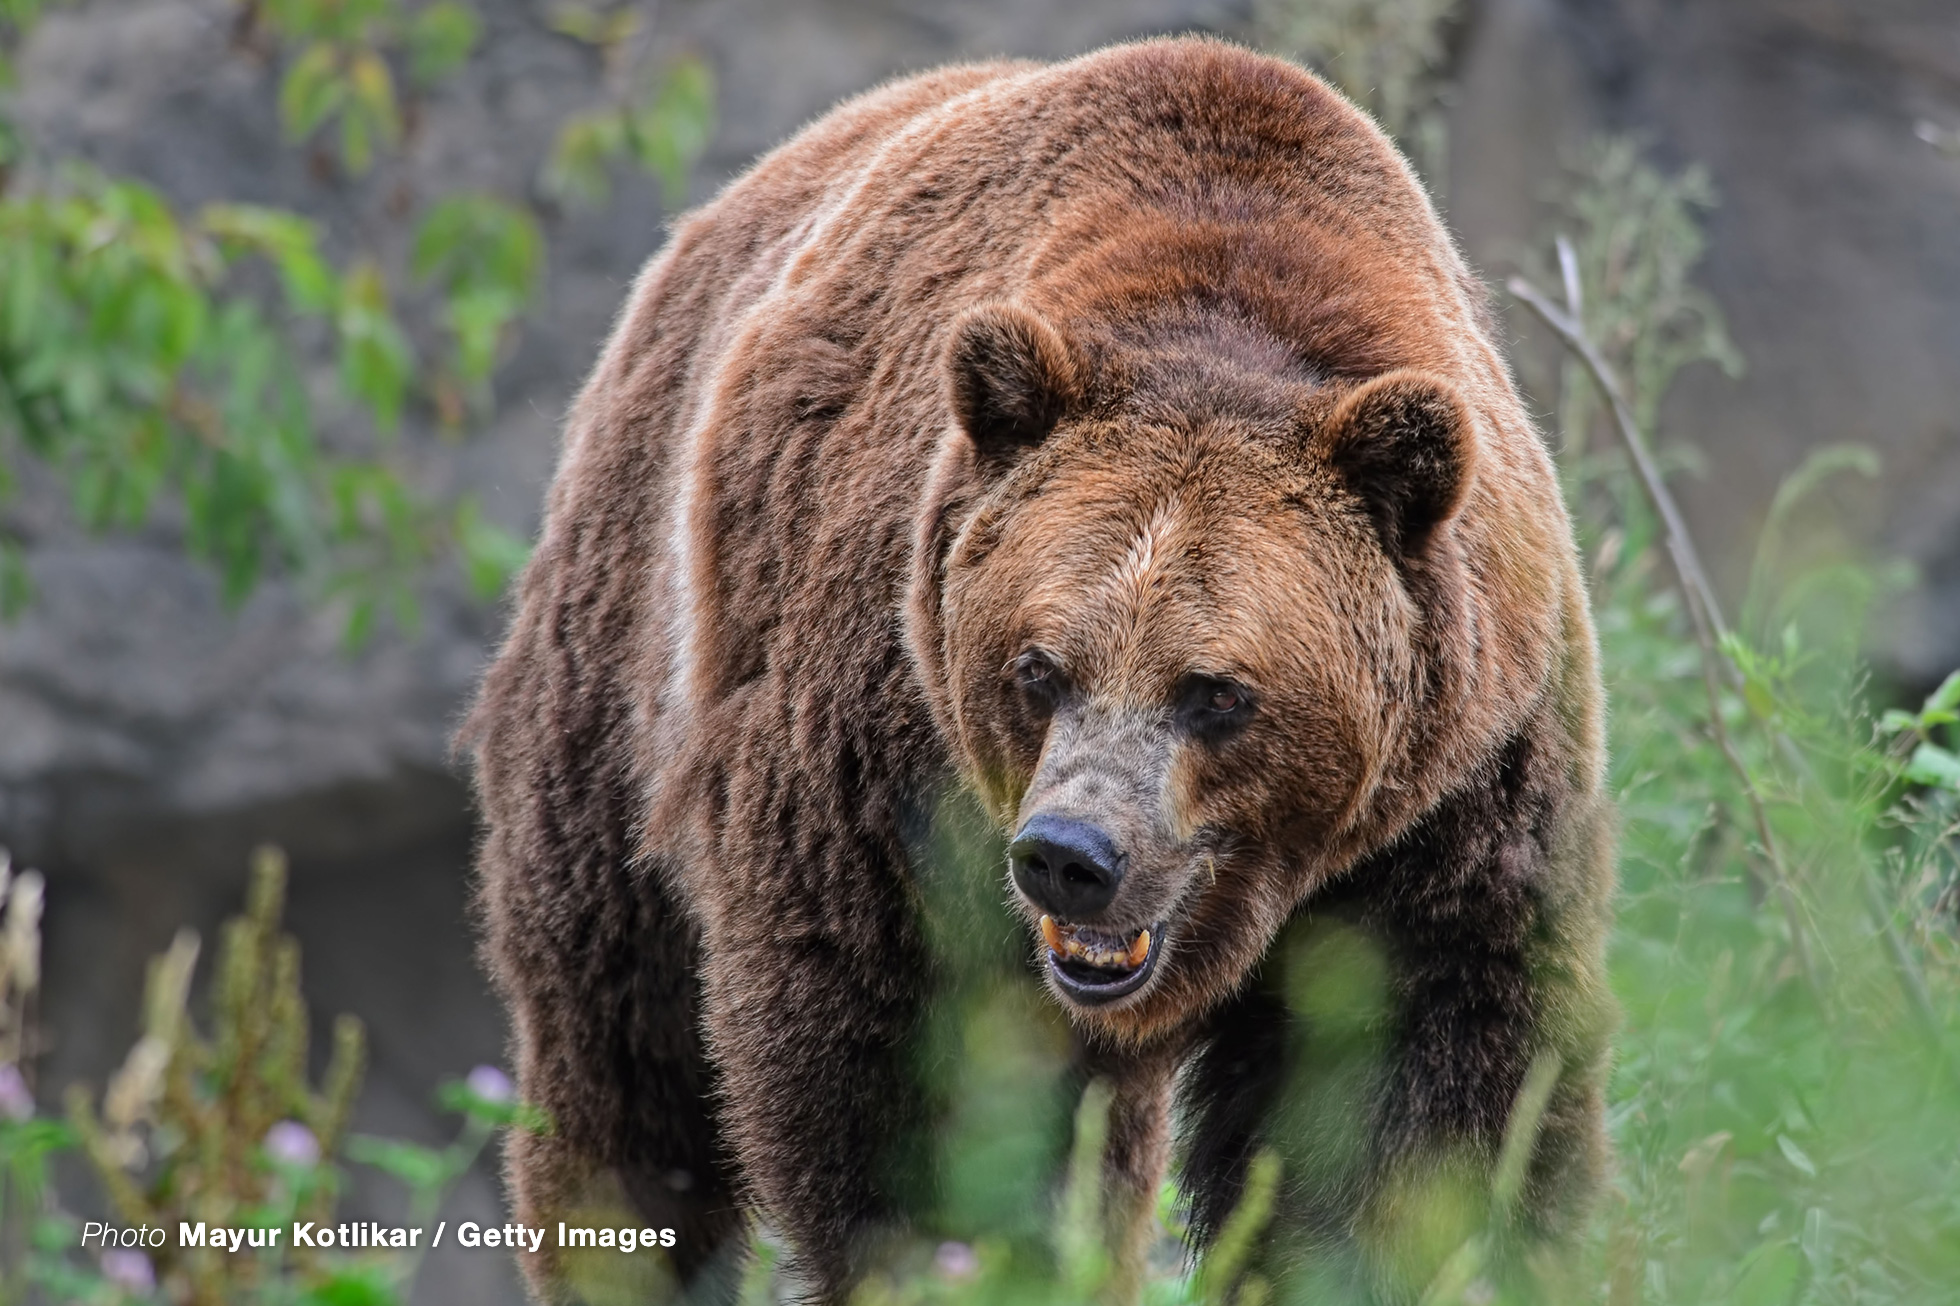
{"x": 1068, "y": 868}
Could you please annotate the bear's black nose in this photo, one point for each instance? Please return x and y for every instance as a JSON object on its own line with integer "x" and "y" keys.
{"x": 1066, "y": 867}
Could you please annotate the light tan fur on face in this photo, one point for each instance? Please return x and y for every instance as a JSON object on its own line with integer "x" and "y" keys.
{"x": 1149, "y": 554}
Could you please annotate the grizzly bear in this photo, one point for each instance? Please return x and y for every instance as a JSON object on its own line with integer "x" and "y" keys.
{"x": 1125, "y": 442}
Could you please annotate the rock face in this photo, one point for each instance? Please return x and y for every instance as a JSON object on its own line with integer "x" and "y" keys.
{"x": 148, "y": 737}
{"x": 1832, "y": 253}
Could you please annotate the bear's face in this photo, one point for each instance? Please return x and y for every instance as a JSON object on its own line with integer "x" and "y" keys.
{"x": 1177, "y": 654}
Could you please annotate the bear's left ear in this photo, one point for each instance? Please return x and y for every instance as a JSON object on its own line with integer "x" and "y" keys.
{"x": 1403, "y": 444}
{"x": 1011, "y": 376}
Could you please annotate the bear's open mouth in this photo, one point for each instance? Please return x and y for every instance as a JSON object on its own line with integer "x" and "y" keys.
{"x": 1092, "y": 967}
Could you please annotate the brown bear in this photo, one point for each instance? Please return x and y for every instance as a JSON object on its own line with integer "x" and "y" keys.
{"x": 1124, "y": 440}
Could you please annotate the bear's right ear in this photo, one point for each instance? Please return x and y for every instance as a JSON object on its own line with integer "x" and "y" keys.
{"x": 1011, "y": 376}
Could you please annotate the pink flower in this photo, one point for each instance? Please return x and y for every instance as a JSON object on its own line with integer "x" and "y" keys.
{"x": 492, "y": 1085}
{"x": 955, "y": 1260}
{"x": 16, "y": 1103}
{"x": 292, "y": 1143}
{"x": 129, "y": 1270}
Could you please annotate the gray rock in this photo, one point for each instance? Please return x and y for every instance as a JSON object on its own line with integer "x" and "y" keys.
{"x": 1834, "y": 253}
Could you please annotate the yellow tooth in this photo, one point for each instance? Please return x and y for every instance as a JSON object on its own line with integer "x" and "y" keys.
{"x": 1140, "y": 950}
{"x": 1052, "y": 935}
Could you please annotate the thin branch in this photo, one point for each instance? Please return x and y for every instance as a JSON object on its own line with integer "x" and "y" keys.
{"x": 1705, "y": 613}
{"x": 1571, "y": 330}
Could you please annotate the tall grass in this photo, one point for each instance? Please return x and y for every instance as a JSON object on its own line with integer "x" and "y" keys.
{"x": 1783, "y": 1136}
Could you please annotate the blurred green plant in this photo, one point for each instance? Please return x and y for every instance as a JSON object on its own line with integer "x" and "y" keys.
{"x": 661, "y": 118}
{"x": 485, "y": 257}
{"x": 1637, "y": 235}
{"x": 134, "y": 370}
{"x": 224, "y": 1129}
{"x": 148, "y": 373}
{"x": 343, "y": 73}
{"x": 1772, "y": 1127}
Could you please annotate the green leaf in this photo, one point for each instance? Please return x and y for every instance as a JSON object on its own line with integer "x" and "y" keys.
{"x": 1761, "y": 701}
{"x": 360, "y": 624}
{"x": 593, "y": 26}
{"x": 1769, "y": 1276}
{"x": 416, "y": 1166}
{"x": 371, "y": 117}
{"x": 1795, "y": 1155}
{"x": 486, "y": 254}
{"x": 375, "y": 358}
{"x": 1947, "y": 697}
{"x": 353, "y": 1286}
{"x": 55, "y": 1233}
{"x": 289, "y": 241}
{"x": 313, "y": 91}
{"x": 577, "y": 170}
{"x": 16, "y": 585}
{"x": 491, "y": 555}
{"x": 671, "y": 128}
{"x": 1895, "y": 721}
{"x": 577, "y": 21}
{"x": 1934, "y": 767}
{"x": 469, "y": 241}
{"x": 440, "y": 39}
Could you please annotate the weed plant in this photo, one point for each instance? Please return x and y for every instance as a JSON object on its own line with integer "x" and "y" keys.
{"x": 224, "y": 1128}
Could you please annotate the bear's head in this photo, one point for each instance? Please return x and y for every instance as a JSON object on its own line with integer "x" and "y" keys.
{"x": 1176, "y": 637}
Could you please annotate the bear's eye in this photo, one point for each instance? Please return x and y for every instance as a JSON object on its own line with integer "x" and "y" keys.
{"x": 1212, "y": 707}
{"x": 1040, "y": 679}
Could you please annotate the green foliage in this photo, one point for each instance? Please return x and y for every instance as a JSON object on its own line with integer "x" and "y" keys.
{"x": 1773, "y": 1138}
{"x": 144, "y": 372}
{"x": 440, "y": 39}
{"x": 135, "y": 370}
{"x": 1930, "y": 764}
{"x": 664, "y": 125}
{"x": 343, "y": 70}
{"x": 491, "y": 555}
{"x": 485, "y": 257}
{"x": 609, "y": 32}
{"x": 186, "y": 1129}
{"x": 660, "y": 118}
{"x": 1637, "y": 236}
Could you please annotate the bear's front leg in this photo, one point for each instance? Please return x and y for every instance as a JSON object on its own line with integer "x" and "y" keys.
{"x": 1136, "y": 1149}
{"x": 812, "y": 994}
{"x": 1493, "y": 912}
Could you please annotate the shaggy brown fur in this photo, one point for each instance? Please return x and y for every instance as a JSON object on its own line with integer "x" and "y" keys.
{"x": 1124, "y": 437}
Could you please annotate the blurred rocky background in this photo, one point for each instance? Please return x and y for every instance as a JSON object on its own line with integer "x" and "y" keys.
{"x": 150, "y": 735}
